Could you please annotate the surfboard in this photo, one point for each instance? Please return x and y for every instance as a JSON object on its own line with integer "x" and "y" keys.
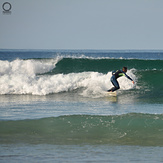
{"x": 112, "y": 93}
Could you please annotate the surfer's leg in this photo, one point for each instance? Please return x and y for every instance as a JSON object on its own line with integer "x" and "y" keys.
{"x": 115, "y": 83}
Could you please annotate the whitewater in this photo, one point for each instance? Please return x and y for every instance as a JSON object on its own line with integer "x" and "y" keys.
{"x": 31, "y": 77}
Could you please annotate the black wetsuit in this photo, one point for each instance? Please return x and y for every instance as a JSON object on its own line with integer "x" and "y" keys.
{"x": 115, "y": 75}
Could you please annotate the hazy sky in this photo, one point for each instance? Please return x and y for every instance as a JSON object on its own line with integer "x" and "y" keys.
{"x": 82, "y": 24}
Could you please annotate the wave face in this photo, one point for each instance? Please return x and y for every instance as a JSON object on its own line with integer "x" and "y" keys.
{"x": 66, "y": 74}
{"x": 127, "y": 129}
{"x": 103, "y": 65}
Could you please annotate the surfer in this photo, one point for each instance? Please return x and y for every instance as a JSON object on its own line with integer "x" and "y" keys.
{"x": 117, "y": 74}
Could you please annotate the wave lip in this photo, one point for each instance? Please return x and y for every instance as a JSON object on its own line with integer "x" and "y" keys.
{"x": 127, "y": 129}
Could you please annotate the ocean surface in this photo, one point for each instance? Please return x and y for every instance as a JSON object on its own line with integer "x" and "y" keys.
{"x": 54, "y": 106}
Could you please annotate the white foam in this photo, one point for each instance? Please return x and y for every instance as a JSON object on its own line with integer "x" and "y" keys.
{"x": 30, "y": 67}
{"x": 20, "y": 77}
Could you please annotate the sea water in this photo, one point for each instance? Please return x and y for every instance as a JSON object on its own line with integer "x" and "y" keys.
{"x": 54, "y": 106}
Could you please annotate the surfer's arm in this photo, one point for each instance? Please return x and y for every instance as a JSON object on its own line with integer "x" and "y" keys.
{"x": 128, "y": 77}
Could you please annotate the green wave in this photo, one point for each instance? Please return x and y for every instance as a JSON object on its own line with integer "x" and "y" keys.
{"x": 75, "y": 65}
{"x": 127, "y": 129}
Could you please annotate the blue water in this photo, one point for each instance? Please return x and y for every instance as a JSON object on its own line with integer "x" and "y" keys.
{"x": 52, "y": 114}
{"x": 28, "y": 54}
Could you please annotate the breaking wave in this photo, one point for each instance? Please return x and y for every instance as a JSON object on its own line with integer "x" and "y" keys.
{"x": 90, "y": 76}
